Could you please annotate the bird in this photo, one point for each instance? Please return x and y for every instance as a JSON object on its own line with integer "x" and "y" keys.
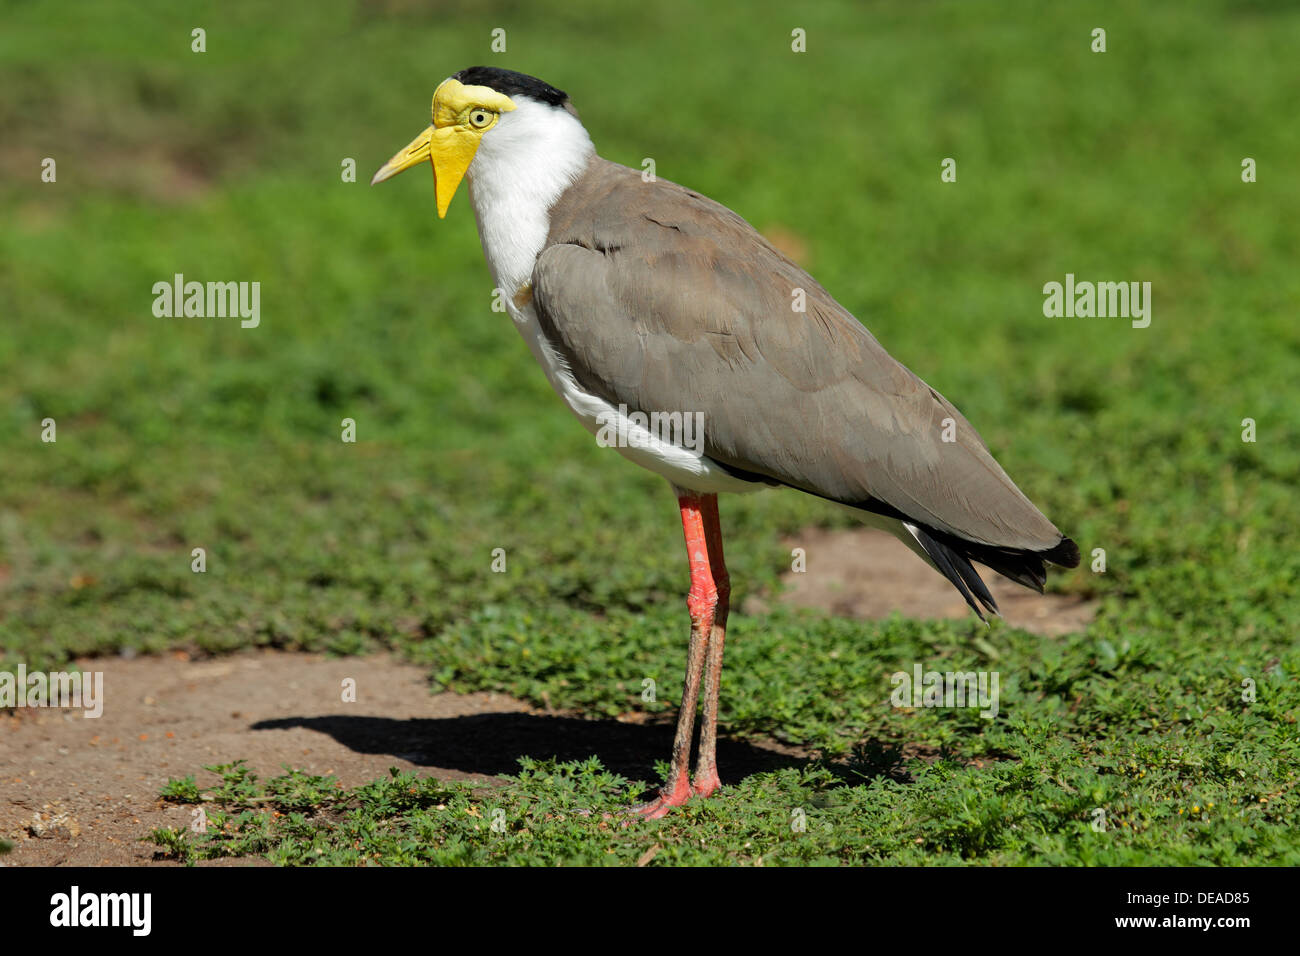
{"x": 650, "y": 306}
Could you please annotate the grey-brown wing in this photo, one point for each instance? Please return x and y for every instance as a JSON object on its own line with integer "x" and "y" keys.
{"x": 663, "y": 300}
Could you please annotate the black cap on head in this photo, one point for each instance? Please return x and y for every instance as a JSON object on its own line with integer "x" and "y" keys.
{"x": 512, "y": 84}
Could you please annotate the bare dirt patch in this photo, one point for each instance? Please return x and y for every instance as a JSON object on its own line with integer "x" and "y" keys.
{"x": 83, "y": 791}
{"x": 869, "y": 574}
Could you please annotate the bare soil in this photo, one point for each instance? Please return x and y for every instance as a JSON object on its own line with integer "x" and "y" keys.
{"x": 77, "y": 790}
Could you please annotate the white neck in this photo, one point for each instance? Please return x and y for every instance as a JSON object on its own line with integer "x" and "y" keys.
{"x": 523, "y": 164}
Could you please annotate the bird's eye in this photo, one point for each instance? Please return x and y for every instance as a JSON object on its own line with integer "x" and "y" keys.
{"x": 480, "y": 119}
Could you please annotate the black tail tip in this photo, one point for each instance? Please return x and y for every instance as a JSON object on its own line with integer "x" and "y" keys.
{"x": 1065, "y": 554}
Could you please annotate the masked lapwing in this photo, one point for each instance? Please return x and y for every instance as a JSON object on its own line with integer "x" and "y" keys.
{"x": 650, "y": 306}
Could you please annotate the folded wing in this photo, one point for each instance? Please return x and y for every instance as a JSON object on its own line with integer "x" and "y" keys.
{"x": 663, "y": 300}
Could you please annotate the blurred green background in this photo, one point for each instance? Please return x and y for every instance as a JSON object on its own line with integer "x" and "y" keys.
{"x": 184, "y": 432}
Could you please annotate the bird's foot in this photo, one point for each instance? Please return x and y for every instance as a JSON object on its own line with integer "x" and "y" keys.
{"x": 675, "y": 793}
{"x": 706, "y": 783}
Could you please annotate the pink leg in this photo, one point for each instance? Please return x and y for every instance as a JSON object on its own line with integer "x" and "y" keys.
{"x": 701, "y": 601}
{"x": 706, "y": 763}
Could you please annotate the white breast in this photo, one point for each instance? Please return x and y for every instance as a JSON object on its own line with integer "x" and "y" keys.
{"x": 522, "y": 166}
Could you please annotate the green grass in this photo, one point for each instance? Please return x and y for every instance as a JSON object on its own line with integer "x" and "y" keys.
{"x": 1035, "y": 805}
{"x": 182, "y": 433}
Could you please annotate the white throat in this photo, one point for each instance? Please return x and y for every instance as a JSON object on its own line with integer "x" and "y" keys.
{"x": 533, "y": 154}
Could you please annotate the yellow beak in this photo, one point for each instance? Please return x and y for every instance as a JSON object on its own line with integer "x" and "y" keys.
{"x": 450, "y": 150}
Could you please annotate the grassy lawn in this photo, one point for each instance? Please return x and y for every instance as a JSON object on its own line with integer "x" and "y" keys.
{"x": 176, "y": 433}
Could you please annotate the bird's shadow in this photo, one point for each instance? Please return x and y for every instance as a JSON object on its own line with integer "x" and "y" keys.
{"x": 491, "y": 744}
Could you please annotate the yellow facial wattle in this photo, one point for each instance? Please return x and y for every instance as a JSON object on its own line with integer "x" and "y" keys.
{"x": 461, "y": 115}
